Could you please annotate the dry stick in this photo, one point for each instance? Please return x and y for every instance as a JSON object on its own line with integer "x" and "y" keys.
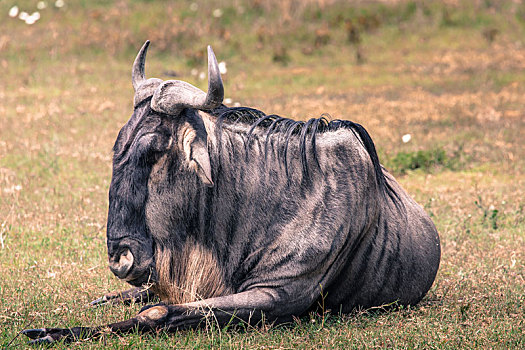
{"x": 20, "y": 332}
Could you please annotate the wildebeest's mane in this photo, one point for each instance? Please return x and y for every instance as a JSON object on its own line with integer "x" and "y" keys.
{"x": 305, "y": 130}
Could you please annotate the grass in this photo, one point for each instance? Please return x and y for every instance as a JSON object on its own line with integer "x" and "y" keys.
{"x": 427, "y": 70}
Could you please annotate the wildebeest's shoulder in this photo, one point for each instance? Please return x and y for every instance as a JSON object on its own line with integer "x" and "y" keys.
{"x": 344, "y": 149}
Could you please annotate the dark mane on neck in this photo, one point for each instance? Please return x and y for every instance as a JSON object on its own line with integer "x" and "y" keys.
{"x": 306, "y": 131}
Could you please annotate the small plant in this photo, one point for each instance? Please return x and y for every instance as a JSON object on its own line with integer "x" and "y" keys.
{"x": 322, "y": 307}
{"x": 280, "y": 55}
{"x": 489, "y": 214}
{"x": 428, "y": 207}
{"x": 463, "y": 309}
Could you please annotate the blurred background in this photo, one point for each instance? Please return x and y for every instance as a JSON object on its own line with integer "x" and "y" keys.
{"x": 439, "y": 85}
{"x": 328, "y": 56}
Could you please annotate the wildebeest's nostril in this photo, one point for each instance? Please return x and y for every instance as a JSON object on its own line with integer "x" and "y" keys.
{"x": 121, "y": 265}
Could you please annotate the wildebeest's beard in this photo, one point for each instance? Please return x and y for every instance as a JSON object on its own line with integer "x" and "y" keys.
{"x": 130, "y": 245}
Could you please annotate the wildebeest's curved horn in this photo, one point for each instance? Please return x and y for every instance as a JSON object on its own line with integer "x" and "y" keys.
{"x": 138, "y": 75}
{"x": 143, "y": 87}
{"x": 174, "y": 95}
{"x": 215, "y": 88}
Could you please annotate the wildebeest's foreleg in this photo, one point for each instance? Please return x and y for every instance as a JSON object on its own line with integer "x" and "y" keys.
{"x": 250, "y": 307}
{"x": 153, "y": 318}
{"x": 137, "y": 295}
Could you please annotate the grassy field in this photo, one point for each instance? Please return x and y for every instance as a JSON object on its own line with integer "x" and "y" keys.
{"x": 451, "y": 75}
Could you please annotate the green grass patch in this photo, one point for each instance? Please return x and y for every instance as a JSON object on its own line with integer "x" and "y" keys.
{"x": 424, "y": 160}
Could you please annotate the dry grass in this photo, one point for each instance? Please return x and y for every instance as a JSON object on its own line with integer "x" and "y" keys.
{"x": 429, "y": 71}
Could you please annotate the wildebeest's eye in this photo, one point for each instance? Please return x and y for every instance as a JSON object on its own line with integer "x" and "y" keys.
{"x": 152, "y": 156}
{"x": 153, "y": 145}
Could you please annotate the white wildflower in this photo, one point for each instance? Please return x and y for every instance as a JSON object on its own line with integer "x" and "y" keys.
{"x": 202, "y": 75}
{"x": 228, "y": 101}
{"x": 41, "y": 5}
{"x": 406, "y": 138}
{"x": 13, "y": 11}
{"x": 194, "y": 72}
{"x": 512, "y": 261}
{"x": 217, "y": 13}
{"x": 222, "y": 67}
{"x": 236, "y": 104}
{"x": 23, "y": 15}
{"x": 59, "y": 3}
{"x": 13, "y": 189}
{"x": 35, "y": 16}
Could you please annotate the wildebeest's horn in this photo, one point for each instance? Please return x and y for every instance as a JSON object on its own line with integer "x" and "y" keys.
{"x": 143, "y": 87}
{"x": 138, "y": 75}
{"x": 215, "y": 93}
{"x": 174, "y": 95}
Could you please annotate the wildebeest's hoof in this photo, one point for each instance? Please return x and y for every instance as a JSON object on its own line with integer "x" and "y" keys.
{"x": 104, "y": 300}
{"x": 42, "y": 336}
{"x": 97, "y": 302}
{"x": 34, "y": 333}
{"x": 125, "y": 297}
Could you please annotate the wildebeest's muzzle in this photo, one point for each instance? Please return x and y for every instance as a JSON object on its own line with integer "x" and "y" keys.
{"x": 131, "y": 260}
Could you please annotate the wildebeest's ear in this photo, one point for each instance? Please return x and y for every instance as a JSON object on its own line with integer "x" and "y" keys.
{"x": 196, "y": 151}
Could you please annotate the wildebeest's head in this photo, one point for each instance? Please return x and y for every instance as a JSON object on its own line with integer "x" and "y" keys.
{"x": 165, "y": 128}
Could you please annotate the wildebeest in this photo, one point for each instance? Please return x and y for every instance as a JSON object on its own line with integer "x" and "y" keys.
{"x": 250, "y": 217}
